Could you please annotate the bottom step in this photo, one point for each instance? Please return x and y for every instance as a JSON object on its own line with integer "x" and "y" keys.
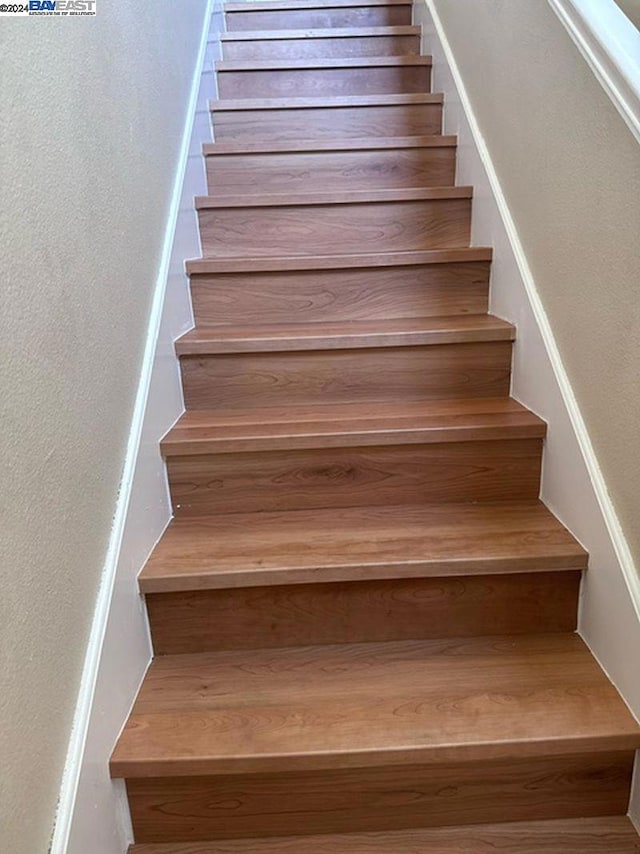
{"x": 580, "y": 836}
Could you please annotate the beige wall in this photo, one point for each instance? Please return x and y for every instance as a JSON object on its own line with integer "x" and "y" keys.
{"x": 631, "y": 8}
{"x": 570, "y": 170}
{"x": 92, "y": 115}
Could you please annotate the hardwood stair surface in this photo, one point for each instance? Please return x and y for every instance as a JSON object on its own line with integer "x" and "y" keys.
{"x": 614, "y": 835}
{"x": 326, "y": 288}
{"x": 311, "y": 44}
{"x": 308, "y": 165}
{"x": 363, "y": 616}
{"x": 335, "y": 117}
{"x": 302, "y": 15}
{"x": 357, "y": 220}
{"x": 359, "y": 543}
{"x": 351, "y": 335}
{"x": 276, "y": 78}
{"x": 321, "y": 708}
{"x": 356, "y": 424}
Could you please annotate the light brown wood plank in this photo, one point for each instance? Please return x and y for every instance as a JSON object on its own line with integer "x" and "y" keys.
{"x": 363, "y": 14}
{"x": 507, "y": 470}
{"x": 363, "y": 611}
{"x": 310, "y": 34}
{"x": 224, "y": 149}
{"x": 199, "y": 432}
{"x": 315, "y": 708}
{"x": 349, "y": 294}
{"x": 200, "y": 266}
{"x": 359, "y": 543}
{"x": 387, "y": 374}
{"x": 310, "y": 229}
{"x": 329, "y": 170}
{"x": 340, "y": 335}
{"x": 323, "y": 63}
{"x": 183, "y": 809}
{"x": 343, "y": 118}
{"x": 294, "y": 44}
{"x": 607, "y": 835}
{"x": 325, "y": 80}
{"x": 331, "y": 102}
{"x": 339, "y": 197}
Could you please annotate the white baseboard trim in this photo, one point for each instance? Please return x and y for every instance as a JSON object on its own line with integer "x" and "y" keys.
{"x": 92, "y": 812}
{"x": 573, "y": 485}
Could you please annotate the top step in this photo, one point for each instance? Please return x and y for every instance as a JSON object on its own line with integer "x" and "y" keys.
{"x": 314, "y": 14}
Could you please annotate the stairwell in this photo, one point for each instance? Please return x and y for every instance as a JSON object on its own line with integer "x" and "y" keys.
{"x": 364, "y": 619}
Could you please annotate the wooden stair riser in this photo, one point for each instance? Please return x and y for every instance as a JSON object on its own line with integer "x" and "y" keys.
{"x": 326, "y": 46}
{"x": 322, "y": 82}
{"x": 386, "y": 374}
{"x": 396, "y": 15}
{"x": 332, "y": 170}
{"x": 369, "y": 293}
{"x": 169, "y": 809}
{"x": 500, "y": 470}
{"x": 299, "y": 229}
{"x": 355, "y": 612}
{"x": 339, "y": 122}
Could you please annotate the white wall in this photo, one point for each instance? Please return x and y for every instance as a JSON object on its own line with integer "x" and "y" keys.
{"x": 93, "y": 116}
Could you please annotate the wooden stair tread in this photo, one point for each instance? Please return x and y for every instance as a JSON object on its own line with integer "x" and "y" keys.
{"x": 277, "y": 5}
{"x": 199, "y": 432}
{"x": 380, "y": 100}
{"x": 224, "y": 65}
{"x": 321, "y": 33}
{"x": 348, "y": 197}
{"x": 607, "y": 835}
{"x": 314, "y": 708}
{"x": 356, "y": 543}
{"x": 242, "y": 264}
{"x": 212, "y": 149}
{"x": 402, "y": 332}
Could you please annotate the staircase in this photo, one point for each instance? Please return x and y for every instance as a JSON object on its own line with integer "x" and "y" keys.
{"x": 363, "y": 617}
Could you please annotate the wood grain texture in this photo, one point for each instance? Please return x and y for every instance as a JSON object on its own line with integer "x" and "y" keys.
{"x": 353, "y": 425}
{"x": 340, "y": 335}
{"x": 223, "y": 149}
{"x": 321, "y": 708}
{"x": 329, "y": 170}
{"x": 364, "y": 293}
{"x": 335, "y": 197}
{"x": 311, "y": 44}
{"x": 311, "y": 229}
{"x": 608, "y": 835}
{"x": 363, "y": 611}
{"x": 406, "y": 74}
{"x": 364, "y": 14}
{"x": 278, "y": 264}
{"x": 345, "y": 119}
{"x": 384, "y": 375}
{"x": 359, "y": 543}
{"x": 185, "y": 809}
{"x": 346, "y": 477}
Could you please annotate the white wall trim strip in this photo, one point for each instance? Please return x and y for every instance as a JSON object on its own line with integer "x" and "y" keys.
{"x": 610, "y": 43}
{"x": 92, "y": 661}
